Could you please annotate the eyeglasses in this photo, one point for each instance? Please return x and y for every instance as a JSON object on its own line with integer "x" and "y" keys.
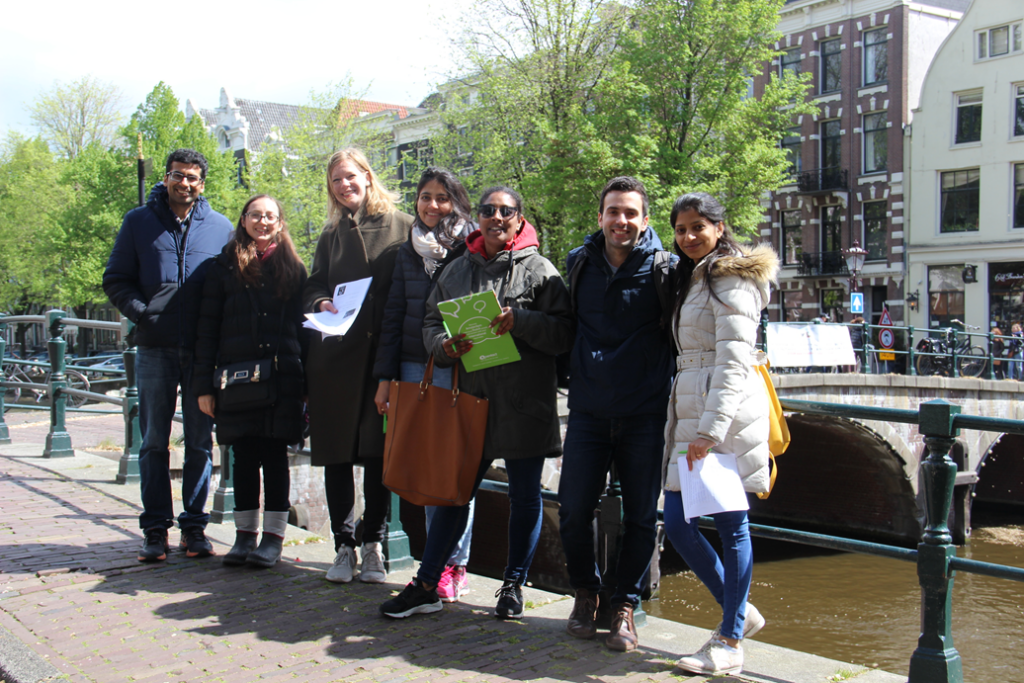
{"x": 488, "y": 210}
{"x": 256, "y": 217}
{"x": 178, "y": 176}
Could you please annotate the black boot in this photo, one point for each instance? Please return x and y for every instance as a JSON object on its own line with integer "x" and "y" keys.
{"x": 269, "y": 552}
{"x": 245, "y": 543}
{"x": 247, "y": 524}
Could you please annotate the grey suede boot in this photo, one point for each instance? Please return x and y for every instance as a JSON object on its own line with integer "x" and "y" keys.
{"x": 247, "y": 524}
{"x": 274, "y": 526}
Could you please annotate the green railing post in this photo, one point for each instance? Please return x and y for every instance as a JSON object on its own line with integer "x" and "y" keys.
{"x": 991, "y": 358}
{"x": 128, "y": 466}
{"x": 865, "y": 367}
{"x": 58, "y": 441}
{"x": 955, "y": 372}
{"x": 223, "y": 510}
{"x": 397, "y": 555}
{"x": 935, "y": 658}
{"x": 764, "y": 334}
{"x": 5, "y": 435}
{"x": 911, "y": 364}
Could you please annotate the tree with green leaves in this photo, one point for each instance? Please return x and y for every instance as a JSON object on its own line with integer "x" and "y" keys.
{"x": 72, "y": 116}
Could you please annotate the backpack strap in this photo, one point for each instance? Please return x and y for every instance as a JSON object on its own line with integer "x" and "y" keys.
{"x": 664, "y": 275}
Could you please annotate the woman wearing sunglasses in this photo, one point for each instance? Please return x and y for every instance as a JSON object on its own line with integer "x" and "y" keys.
{"x": 522, "y": 422}
{"x": 360, "y": 240}
{"x": 438, "y": 236}
{"x": 252, "y": 310}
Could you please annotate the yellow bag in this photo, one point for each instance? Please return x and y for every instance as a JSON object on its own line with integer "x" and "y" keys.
{"x": 778, "y": 432}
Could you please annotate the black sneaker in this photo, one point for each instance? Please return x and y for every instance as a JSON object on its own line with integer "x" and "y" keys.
{"x": 414, "y": 599}
{"x": 195, "y": 543}
{"x": 510, "y": 600}
{"x": 154, "y": 548}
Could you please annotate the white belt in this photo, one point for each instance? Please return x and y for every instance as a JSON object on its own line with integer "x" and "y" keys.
{"x": 694, "y": 359}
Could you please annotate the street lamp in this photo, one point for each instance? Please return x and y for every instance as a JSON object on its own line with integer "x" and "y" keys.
{"x": 855, "y": 263}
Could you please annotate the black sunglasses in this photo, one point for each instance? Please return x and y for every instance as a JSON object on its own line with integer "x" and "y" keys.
{"x": 488, "y": 210}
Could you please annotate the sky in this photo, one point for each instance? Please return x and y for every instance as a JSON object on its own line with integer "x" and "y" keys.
{"x": 395, "y": 50}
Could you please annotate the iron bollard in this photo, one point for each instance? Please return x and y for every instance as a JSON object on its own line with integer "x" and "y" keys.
{"x": 936, "y": 659}
{"x": 5, "y": 435}
{"x": 864, "y": 366}
{"x": 911, "y": 365}
{"x": 991, "y": 374}
{"x": 395, "y": 544}
{"x": 128, "y": 466}
{"x": 223, "y": 510}
{"x": 58, "y": 441}
{"x": 954, "y": 359}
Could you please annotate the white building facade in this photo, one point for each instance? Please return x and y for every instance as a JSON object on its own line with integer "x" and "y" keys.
{"x": 965, "y": 243}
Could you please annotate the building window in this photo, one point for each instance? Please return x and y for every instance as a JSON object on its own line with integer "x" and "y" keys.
{"x": 876, "y": 137}
{"x": 793, "y": 306}
{"x": 876, "y": 56}
{"x": 831, "y": 230}
{"x": 960, "y": 190}
{"x": 1018, "y": 109}
{"x": 945, "y": 295}
{"x": 792, "y": 238}
{"x": 791, "y": 144}
{"x": 832, "y": 305}
{"x": 831, "y": 156}
{"x": 968, "y": 117}
{"x": 999, "y": 41}
{"x": 1006, "y": 293}
{"x": 1018, "y": 196}
{"x": 789, "y": 62}
{"x": 875, "y": 230}
{"x": 831, "y": 66}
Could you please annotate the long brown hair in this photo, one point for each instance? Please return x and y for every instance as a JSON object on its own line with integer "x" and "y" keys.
{"x": 709, "y": 208}
{"x": 286, "y": 266}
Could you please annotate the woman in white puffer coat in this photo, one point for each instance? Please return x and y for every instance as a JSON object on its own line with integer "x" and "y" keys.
{"x": 718, "y": 403}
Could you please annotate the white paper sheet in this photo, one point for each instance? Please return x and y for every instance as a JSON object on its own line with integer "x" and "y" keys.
{"x": 713, "y": 486}
{"x": 348, "y": 299}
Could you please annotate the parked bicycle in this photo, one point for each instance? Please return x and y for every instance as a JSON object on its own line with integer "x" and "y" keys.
{"x": 971, "y": 360}
{"x": 33, "y": 374}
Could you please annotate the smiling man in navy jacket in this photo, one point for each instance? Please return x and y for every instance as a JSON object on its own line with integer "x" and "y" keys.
{"x": 155, "y": 278}
{"x": 620, "y": 375}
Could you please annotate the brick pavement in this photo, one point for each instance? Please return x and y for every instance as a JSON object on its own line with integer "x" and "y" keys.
{"x": 72, "y": 591}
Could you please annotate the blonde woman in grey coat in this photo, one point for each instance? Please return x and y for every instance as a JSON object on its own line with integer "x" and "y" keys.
{"x": 718, "y": 403}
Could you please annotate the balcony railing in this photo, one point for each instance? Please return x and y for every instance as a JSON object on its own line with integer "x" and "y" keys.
{"x": 823, "y": 180}
{"x": 820, "y": 263}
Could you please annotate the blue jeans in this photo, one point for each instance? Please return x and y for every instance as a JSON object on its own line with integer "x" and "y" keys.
{"x": 592, "y": 445}
{"x": 524, "y": 523}
{"x": 160, "y": 371}
{"x": 413, "y": 372}
{"x": 728, "y": 581}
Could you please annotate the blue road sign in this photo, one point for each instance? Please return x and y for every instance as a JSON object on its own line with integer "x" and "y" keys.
{"x": 857, "y": 302}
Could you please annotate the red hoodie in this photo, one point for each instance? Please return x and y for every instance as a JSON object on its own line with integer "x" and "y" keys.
{"x": 526, "y": 237}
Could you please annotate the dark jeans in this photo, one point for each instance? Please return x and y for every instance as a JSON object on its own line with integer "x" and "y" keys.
{"x": 524, "y": 522}
{"x": 250, "y": 454}
{"x": 592, "y": 444}
{"x": 341, "y": 502}
{"x": 160, "y": 371}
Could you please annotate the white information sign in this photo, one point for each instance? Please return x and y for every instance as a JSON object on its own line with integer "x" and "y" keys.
{"x": 793, "y": 345}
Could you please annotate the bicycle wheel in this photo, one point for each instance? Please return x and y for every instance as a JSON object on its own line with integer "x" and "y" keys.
{"x": 76, "y": 380}
{"x": 973, "y": 362}
{"x": 926, "y": 365}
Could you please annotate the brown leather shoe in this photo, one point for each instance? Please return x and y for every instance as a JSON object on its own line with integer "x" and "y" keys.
{"x": 623, "y": 636}
{"x": 584, "y": 611}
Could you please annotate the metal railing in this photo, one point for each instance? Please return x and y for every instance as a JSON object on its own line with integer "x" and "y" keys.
{"x": 819, "y": 263}
{"x": 823, "y": 180}
{"x": 969, "y": 354}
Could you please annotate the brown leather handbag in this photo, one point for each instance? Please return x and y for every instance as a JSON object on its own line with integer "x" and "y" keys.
{"x": 435, "y": 441}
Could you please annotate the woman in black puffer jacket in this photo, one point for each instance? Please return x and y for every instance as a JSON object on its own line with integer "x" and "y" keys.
{"x": 251, "y": 310}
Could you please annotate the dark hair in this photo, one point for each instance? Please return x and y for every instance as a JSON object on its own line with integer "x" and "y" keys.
{"x": 507, "y": 190}
{"x": 461, "y": 212}
{"x": 189, "y": 157}
{"x": 711, "y": 209}
{"x": 624, "y": 183}
{"x": 286, "y": 266}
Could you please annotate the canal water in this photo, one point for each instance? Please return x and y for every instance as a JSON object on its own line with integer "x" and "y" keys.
{"x": 866, "y": 610}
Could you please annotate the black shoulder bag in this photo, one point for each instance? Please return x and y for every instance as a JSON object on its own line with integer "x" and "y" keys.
{"x": 249, "y": 384}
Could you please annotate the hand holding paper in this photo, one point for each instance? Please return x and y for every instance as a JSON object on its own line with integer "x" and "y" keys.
{"x": 348, "y": 300}
{"x": 713, "y": 486}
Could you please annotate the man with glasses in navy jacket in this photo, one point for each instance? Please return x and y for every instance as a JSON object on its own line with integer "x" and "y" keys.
{"x": 155, "y": 278}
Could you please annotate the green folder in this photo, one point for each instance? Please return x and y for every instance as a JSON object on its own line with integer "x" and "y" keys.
{"x": 471, "y": 315}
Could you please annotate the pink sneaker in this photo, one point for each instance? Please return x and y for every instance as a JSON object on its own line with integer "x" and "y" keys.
{"x": 453, "y": 584}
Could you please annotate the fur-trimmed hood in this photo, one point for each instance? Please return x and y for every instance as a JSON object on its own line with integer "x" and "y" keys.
{"x": 759, "y": 263}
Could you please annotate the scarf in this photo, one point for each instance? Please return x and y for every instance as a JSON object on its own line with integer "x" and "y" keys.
{"x": 270, "y": 250}
{"x": 433, "y": 245}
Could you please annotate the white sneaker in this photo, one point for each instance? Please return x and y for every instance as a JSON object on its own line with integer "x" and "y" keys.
{"x": 372, "y": 570}
{"x": 344, "y": 565}
{"x": 714, "y": 658}
{"x": 752, "y": 623}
